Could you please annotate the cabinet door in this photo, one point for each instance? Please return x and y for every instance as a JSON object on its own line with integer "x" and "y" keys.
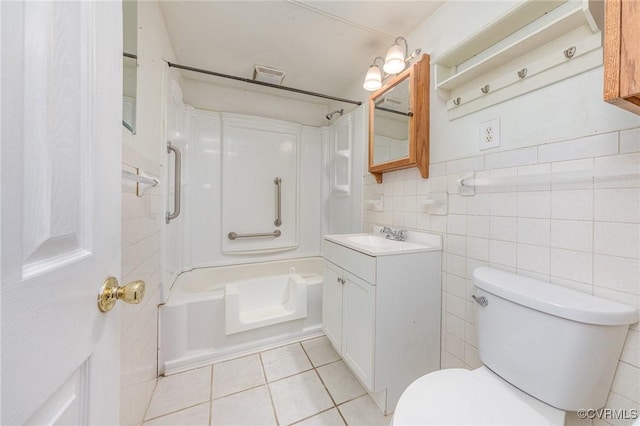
{"x": 622, "y": 54}
{"x": 358, "y": 328}
{"x": 332, "y": 304}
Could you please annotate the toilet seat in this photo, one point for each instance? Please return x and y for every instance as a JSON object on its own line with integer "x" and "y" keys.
{"x": 463, "y": 397}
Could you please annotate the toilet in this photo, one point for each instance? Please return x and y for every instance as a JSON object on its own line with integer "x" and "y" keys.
{"x": 545, "y": 349}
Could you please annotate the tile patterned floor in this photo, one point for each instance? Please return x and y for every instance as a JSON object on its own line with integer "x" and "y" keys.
{"x": 303, "y": 384}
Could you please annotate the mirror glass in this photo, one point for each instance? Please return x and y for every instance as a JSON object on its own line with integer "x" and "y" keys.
{"x": 391, "y": 124}
{"x": 130, "y": 63}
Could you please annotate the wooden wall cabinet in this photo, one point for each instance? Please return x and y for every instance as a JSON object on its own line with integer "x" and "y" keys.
{"x": 417, "y": 118}
{"x": 622, "y": 54}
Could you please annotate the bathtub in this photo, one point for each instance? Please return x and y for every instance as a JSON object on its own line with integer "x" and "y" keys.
{"x": 217, "y": 313}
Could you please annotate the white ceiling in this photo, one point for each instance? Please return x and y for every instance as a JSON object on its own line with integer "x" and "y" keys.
{"x": 323, "y": 46}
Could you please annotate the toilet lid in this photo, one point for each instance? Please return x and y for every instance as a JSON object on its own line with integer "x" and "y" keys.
{"x": 462, "y": 397}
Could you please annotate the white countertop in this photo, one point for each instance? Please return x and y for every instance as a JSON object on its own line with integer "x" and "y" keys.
{"x": 377, "y": 245}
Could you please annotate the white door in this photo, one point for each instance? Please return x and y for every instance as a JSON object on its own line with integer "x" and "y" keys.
{"x": 61, "y": 85}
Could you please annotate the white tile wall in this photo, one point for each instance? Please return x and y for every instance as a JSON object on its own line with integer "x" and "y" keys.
{"x": 630, "y": 141}
{"x": 516, "y": 157}
{"x": 592, "y": 146}
{"x": 141, "y": 222}
{"x": 572, "y": 235}
{"x": 533, "y": 231}
{"x": 142, "y": 219}
{"x": 577, "y": 205}
{"x": 543, "y": 216}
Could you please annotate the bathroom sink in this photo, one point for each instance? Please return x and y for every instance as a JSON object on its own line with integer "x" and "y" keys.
{"x": 378, "y": 242}
{"x": 378, "y": 245}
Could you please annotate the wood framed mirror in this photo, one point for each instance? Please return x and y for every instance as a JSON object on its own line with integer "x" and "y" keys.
{"x": 399, "y": 122}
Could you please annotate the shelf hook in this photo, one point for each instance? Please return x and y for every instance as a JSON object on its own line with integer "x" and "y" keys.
{"x": 457, "y": 101}
{"x": 485, "y": 88}
{"x": 522, "y": 73}
{"x": 568, "y": 53}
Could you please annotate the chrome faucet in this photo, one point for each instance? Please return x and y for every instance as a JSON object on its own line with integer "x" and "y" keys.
{"x": 399, "y": 235}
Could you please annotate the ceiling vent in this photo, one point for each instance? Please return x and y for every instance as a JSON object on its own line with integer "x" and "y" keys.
{"x": 268, "y": 75}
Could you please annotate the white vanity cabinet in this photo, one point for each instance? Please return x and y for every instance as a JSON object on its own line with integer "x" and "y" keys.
{"x": 381, "y": 311}
{"x": 349, "y": 319}
{"x": 332, "y": 304}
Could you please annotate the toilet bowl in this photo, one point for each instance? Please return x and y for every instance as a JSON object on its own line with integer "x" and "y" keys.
{"x": 470, "y": 397}
{"x": 545, "y": 349}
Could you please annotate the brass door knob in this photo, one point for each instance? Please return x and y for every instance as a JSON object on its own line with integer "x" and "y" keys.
{"x": 111, "y": 292}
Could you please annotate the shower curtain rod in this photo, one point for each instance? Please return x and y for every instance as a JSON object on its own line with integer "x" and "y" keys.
{"x": 393, "y": 111}
{"x": 260, "y": 83}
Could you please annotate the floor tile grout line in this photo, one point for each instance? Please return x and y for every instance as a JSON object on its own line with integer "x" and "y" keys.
{"x": 315, "y": 368}
{"x": 264, "y": 373}
{"x": 214, "y": 398}
{"x": 246, "y": 355}
{"x": 313, "y": 415}
{"x": 240, "y": 391}
{"x": 176, "y": 411}
{"x": 290, "y": 375}
{"x": 331, "y": 397}
{"x": 357, "y": 397}
{"x": 266, "y": 383}
{"x": 146, "y": 410}
{"x": 280, "y": 359}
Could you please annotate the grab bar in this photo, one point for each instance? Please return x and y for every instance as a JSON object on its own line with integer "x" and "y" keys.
{"x": 234, "y": 235}
{"x": 177, "y": 182}
{"x": 278, "y": 220}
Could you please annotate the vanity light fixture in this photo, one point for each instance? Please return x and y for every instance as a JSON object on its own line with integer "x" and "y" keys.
{"x": 373, "y": 79}
{"x": 394, "y": 63}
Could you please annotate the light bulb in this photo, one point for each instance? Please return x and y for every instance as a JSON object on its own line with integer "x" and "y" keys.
{"x": 373, "y": 79}
{"x": 394, "y": 62}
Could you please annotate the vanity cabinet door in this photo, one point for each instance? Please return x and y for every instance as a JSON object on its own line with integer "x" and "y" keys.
{"x": 358, "y": 327}
{"x": 332, "y": 304}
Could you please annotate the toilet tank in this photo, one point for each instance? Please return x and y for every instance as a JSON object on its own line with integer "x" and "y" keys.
{"x": 556, "y": 344}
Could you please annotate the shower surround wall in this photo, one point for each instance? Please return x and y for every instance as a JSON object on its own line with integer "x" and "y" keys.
{"x": 230, "y": 187}
{"x": 259, "y": 178}
{"x": 229, "y": 162}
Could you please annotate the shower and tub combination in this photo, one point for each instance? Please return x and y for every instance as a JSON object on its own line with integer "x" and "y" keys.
{"x": 242, "y": 271}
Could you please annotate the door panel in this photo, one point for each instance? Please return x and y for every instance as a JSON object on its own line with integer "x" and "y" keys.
{"x": 68, "y": 405}
{"x": 61, "y": 154}
{"x": 358, "y": 328}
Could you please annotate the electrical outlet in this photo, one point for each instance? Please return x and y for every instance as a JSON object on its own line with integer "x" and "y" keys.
{"x": 489, "y": 134}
